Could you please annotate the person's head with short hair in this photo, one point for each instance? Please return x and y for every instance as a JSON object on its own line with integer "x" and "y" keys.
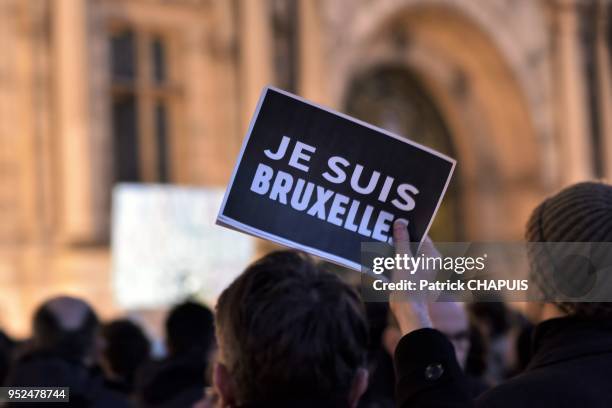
{"x": 125, "y": 349}
{"x": 190, "y": 327}
{"x": 290, "y": 331}
{"x": 65, "y": 326}
{"x": 579, "y": 213}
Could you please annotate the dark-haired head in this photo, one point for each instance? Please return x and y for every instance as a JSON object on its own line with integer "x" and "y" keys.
{"x": 190, "y": 327}
{"x": 65, "y": 326}
{"x": 288, "y": 330}
{"x": 126, "y": 349}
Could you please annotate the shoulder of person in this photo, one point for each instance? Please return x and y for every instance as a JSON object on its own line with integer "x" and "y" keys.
{"x": 524, "y": 390}
{"x": 428, "y": 373}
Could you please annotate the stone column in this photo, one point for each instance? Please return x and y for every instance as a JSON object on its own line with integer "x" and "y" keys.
{"x": 577, "y": 161}
{"x": 312, "y": 70}
{"x": 256, "y": 69}
{"x": 604, "y": 71}
{"x": 72, "y": 112}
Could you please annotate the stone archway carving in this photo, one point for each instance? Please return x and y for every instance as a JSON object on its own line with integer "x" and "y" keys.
{"x": 486, "y": 87}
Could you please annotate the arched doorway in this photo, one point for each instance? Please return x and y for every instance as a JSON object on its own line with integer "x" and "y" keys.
{"x": 501, "y": 137}
{"x": 392, "y": 97}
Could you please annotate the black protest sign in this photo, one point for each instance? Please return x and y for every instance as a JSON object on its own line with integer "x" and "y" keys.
{"x": 323, "y": 182}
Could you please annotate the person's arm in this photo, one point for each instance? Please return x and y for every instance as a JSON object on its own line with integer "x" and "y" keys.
{"x": 427, "y": 371}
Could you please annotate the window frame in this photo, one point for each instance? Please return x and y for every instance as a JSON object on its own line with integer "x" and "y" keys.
{"x": 148, "y": 92}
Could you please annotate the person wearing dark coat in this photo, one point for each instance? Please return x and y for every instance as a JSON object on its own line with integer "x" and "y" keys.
{"x": 571, "y": 367}
{"x": 124, "y": 351}
{"x": 179, "y": 380}
{"x": 48, "y": 369}
{"x": 571, "y": 361}
{"x": 61, "y": 353}
{"x": 7, "y": 347}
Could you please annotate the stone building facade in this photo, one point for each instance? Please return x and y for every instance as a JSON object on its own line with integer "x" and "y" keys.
{"x": 98, "y": 91}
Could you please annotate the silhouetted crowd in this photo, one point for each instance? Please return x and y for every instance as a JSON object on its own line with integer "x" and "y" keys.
{"x": 288, "y": 333}
{"x": 110, "y": 364}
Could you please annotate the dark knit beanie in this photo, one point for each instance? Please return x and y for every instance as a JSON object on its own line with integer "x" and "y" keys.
{"x": 579, "y": 213}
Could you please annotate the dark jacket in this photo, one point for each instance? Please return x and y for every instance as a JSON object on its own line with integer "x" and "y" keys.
{"x": 427, "y": 372}
{"x": 571, "y": 367}
{"x": 39, "y": 369}
{"x": 177, "y": 381}
{"x": 301, "y": 403}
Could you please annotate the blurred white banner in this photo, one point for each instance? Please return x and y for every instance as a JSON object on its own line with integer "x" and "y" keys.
{"x": 166, "y": 246}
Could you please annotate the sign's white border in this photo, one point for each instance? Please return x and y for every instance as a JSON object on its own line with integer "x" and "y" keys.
{"x": 231, "y": 223}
